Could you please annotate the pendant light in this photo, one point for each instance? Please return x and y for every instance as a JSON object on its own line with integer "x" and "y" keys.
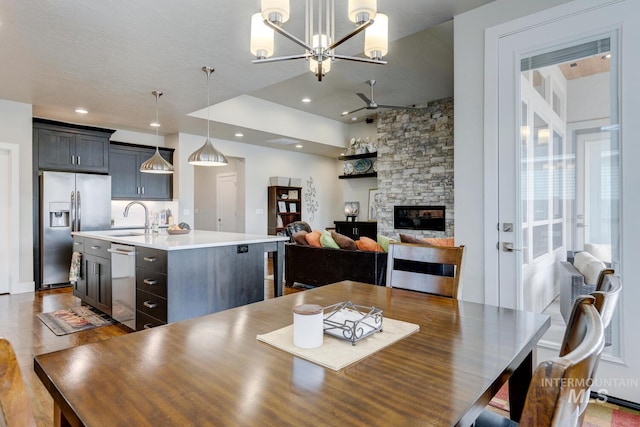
{"x": 207, "y": 155}
{"x": 157, "y": 163}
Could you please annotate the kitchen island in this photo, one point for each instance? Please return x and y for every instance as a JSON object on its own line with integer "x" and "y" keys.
{"x": 179, "y": 277}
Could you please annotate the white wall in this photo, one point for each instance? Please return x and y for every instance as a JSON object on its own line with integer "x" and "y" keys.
{"x": 469, "y": 129}
{"x": 357, "y": 190}
{"x": 589, "y": 98}
{"x": 260, "y": 164}
{"x": 16, "y": 128}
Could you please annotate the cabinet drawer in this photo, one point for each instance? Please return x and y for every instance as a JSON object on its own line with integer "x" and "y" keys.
{"x": 97, "y": 247}
{"x": 151, "y": 259}
{"x": 144, "y": 321}
{"x": 151, "y": 281}
{"x": 78, "y": 244}
{"x": 151, "y": 305}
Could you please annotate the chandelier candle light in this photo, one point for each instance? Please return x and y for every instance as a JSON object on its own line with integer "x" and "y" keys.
{"x": 319, "y": 38}
{"x": 157, "y": 163}
{"x": 207, "y": 155}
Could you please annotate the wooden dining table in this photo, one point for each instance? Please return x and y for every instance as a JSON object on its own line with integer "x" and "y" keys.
{"x": 212, "y": 370}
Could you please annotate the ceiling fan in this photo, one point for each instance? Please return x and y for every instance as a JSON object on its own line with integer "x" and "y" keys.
{"x": 373, "y": 105}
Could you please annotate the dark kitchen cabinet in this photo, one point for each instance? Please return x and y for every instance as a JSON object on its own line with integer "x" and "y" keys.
{"x": 151, "y": 288}
{"x": 355, "y": 229}
{"x": 93, "y": 286}
{"x": 128, "y": 183}
{"x": 63, "y": 147}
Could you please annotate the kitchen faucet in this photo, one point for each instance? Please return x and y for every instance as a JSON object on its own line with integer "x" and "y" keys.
{"x": 147, "y": 228}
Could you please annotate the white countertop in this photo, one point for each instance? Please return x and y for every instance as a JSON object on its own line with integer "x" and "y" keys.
{"x": 195, "y": 239}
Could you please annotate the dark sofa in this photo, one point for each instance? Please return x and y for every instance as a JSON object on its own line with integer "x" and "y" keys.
{"x": 314, "y": 266}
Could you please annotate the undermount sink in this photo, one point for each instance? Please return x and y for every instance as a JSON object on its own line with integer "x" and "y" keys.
{"x": 126, "y": 233}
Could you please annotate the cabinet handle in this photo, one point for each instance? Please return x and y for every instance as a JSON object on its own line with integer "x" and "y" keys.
{"x": 150, "y": 304}
{"x": 150, "y": 282}
{"x": 95, "y": 247}
{"x": 73, "y": 159}
{"x": 142, "y": 190}
{"x": 147, "y": 326}
{"x": 78, "y": 159}
{"x": 150, "y": 259}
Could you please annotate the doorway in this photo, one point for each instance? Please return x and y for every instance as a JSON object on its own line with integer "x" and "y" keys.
{"x": 9, "y": 240}
{"x": 226, "y": 193}
{"x": 208, "y": 200}
{"x": 538, "y": 228}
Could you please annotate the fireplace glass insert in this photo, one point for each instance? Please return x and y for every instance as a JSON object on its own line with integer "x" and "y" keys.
{"x": 419, "y": 218}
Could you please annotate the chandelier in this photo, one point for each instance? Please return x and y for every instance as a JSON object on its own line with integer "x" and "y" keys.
{"x": 319, "y": 38}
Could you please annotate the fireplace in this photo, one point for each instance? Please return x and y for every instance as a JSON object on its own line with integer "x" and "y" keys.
{"x": 419, "y": 218}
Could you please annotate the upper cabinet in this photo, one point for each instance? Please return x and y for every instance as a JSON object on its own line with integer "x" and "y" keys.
{"x": 128, "y": 183}
{"x": 360, "y": 166}
{"x": 62, "y": 147}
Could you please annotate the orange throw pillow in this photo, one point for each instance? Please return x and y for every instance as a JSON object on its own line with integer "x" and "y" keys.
{"x": 299, "y": 238}
{"x": 408, "y": 238}
{"x": 313, "y": 238}
{"x": 440, "y": 241}
{"x": 367, "y": 244}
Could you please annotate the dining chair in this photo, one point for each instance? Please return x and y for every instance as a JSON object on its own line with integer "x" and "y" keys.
{"x": 15, "y": 406}
{"x": 425, "y": 268}
{"x": 558, "y": 386}
{"x": 606, "y": 297}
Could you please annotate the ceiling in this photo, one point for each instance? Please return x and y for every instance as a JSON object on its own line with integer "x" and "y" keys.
{"x": 107, "y": 57}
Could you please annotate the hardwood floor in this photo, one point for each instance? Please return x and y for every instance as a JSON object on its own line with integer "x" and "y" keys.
{"x": 29, "y": 336}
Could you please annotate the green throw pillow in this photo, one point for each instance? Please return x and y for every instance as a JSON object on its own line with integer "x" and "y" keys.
{"x": 384, "y": 242}
{"x": 327, "y": 241}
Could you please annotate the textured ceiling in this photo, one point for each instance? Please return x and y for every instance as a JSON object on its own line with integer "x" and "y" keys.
{"x": 107, "y": 56}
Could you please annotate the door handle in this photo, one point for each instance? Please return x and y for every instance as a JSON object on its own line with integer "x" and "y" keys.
{"x": 79, "y": 213}
{"x": 508, "y": 247}
{"x": 73, "y": 212}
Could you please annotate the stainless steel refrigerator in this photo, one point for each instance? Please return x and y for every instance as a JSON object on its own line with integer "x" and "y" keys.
{"x": 69, "y": 202}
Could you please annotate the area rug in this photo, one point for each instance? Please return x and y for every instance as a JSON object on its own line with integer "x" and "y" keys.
{"x": 74, "y": 319}
{"x": 599, "y": 414}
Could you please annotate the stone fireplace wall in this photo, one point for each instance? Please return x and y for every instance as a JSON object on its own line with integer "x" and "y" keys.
{"x": 415, "y": 163}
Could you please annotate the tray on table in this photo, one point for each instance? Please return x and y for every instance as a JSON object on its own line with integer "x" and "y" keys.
{"x": 351, "y": 322}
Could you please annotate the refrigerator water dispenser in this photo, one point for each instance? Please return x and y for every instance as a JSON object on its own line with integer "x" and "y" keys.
{"x": 59, "y": 214}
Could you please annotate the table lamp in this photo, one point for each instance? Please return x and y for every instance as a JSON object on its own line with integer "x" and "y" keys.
{"x": 351, "y": 210}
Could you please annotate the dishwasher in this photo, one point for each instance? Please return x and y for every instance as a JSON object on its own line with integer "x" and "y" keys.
{"x": 123, "y": 284}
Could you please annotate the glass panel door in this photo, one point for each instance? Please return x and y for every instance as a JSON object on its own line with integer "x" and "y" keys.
{"x": 569, "y": 169}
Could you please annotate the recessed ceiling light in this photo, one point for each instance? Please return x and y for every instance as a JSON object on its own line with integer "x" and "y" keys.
{"x": 155, "y": 124}
{"x": 239, "y": 134}
{"x": 306, "y": 99}
{"x": 342, "y": 154}
{"x": 344, "y": 113}
{"x": 81, "y": 111}
{"x": 353, "y": 119}
{"x": 299, "y": 145}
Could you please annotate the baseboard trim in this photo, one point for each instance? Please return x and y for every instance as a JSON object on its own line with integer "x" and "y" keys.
{"x": 616, "y": 401}
{"x": 23, "y": 287}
